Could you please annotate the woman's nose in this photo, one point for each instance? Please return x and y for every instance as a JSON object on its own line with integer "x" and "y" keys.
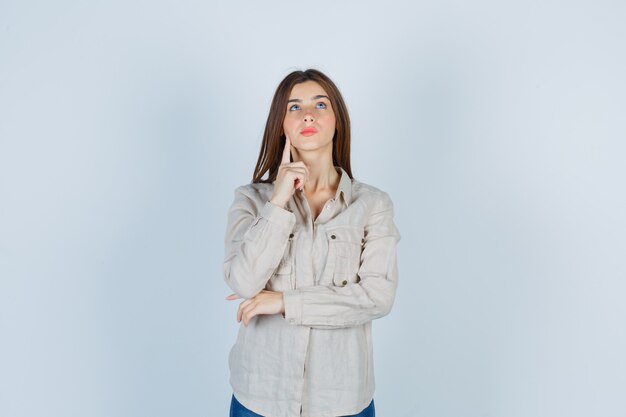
{"x": 308, "y": 117}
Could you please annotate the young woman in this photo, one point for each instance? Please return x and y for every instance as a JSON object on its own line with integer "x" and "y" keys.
{"x": 313, "y": 253}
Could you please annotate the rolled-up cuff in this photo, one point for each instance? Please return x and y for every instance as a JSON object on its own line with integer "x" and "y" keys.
{"x": 293, "y": 306}
{"x": 278, "y": 215}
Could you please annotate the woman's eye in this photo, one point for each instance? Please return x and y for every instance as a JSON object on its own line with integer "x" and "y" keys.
{"x": 321, "y": 105}
{"x": 294, "y": 107}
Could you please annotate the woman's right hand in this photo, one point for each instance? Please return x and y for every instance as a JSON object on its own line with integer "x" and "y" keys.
{"x": 290, "y": 177}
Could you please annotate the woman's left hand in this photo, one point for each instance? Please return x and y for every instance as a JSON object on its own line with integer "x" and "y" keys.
{"x": 265, "y": 302}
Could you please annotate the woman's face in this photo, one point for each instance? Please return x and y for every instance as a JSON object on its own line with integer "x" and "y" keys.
{"x": 309, "y": 118}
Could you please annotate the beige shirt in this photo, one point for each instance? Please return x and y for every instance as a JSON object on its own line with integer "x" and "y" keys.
{"x": 336, "y": 273}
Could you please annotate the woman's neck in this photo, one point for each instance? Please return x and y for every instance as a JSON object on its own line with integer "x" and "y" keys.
{"x": 322, "y": 175}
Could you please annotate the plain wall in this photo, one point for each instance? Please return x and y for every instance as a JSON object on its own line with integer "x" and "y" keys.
{"x": 497, "y": 128}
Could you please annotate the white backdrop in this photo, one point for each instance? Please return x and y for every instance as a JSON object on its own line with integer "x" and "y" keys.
{"x": 496, "y": 127}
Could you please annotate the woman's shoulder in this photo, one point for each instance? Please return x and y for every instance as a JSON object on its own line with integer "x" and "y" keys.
{"x": 369, "y": 193}
{"x": 254, "y": 186}
{"x": 256, "y": 191}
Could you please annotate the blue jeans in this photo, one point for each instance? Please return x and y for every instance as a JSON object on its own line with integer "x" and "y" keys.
{"x": 238, "y": 410}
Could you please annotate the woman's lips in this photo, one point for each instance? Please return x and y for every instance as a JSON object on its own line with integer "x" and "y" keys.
{"x": 308, "y": 131}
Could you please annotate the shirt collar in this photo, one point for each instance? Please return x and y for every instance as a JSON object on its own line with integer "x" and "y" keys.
{"x": 345, "y": 186}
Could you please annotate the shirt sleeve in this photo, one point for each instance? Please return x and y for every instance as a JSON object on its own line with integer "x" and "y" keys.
{"x": 331, "y": 306}
{"x": 254, "y": 243}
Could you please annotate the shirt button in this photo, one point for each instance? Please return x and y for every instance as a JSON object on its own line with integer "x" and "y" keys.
{"x": 362, "y": 240}
{"x": 333, "y": 237}
{"x": 328, "y": 207}
{"x": 290, "y": 235}
{"x": 344, "y": 282}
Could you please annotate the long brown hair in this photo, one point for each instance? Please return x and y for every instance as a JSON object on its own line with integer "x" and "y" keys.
{"x": 274, "y": 137}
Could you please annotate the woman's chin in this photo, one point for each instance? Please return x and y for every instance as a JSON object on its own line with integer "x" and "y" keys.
{"x": 312, "y": 146}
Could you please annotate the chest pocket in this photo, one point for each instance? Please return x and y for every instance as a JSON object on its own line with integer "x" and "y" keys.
{"x": 283, "y": 278}
{"x": 345, "y": 244}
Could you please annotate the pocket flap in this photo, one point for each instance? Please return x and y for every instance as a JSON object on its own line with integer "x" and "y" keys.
{"x": 341, "y": 279}
{"x": 345, "y": 233}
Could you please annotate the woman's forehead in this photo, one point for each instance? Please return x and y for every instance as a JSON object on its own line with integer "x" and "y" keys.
{"x": 307, "y": 90}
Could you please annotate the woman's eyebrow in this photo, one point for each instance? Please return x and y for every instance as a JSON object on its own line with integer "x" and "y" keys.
{"x": 297, "y": 100}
